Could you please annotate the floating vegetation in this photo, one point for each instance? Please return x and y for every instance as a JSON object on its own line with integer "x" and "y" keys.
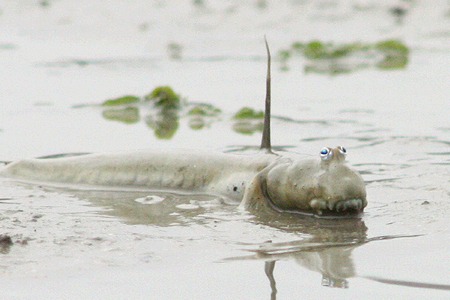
{"x": 202, "y": 115}
{"x": 318, "y": 50}
{"x": 329, "y": 58}
{"x": 197, "y": 123}
{"x": 164, "y": 96}
{"x": 261, "y": 4}
{"x": 164, "y": 123}
{"x": 162, "y": 110}
{"x": 248, "y": 127}
{"x": 248, "y": 121}
{"x": 200, "y": 3}
{"x": 248, "y": 113}
{"x": 204, "y": 109}
{"x": 121, "y": 101}
{"x": 127, "y": 115}
{"x": 162, "y": 117}
{"x": 395, "y": 55}
{"x": 44, "y": 3}
{"x": 392, "y": 47}
{"x": 174, "y": 51}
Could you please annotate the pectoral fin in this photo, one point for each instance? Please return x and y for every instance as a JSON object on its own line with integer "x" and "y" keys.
{"x": 254, "y": 195}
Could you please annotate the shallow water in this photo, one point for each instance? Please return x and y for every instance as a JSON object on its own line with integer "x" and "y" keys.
{"x": 115, "y": 244}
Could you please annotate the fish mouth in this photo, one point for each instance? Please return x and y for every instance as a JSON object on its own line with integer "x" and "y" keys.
{"x": 348, "y": 206}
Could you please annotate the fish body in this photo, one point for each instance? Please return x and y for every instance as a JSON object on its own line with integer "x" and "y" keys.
{"x": 177, "y": 170}
{"x": 259, "y": 181}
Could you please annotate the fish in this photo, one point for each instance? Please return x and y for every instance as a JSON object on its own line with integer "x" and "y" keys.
{"x": 267, "y": 180}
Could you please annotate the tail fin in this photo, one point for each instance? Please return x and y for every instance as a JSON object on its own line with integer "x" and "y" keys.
{"x": 265, "y": 142}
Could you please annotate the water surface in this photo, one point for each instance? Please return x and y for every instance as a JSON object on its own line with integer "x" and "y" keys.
{"x": 67, "y": 243}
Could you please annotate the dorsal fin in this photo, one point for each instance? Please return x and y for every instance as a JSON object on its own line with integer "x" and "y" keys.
{"x": 265, "y": 142}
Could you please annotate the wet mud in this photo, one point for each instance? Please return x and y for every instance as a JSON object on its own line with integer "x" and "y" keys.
{"x": 61, "y": 60}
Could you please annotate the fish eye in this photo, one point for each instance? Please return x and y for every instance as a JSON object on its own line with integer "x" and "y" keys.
{"x": 326, "y": 153}
{"x": 342, "y": 150}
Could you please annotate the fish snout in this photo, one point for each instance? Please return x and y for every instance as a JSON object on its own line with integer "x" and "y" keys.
{"x": 342, "y": 190}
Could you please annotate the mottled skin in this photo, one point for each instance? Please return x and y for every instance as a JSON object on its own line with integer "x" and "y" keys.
{"x": 265, "y": 180}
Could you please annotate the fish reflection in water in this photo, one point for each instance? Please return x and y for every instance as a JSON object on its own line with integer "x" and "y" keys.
{"x": 327, "y": 250}
{"x": 327, "y": 247}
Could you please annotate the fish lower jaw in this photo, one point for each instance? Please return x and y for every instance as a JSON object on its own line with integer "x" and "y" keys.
{"x": 340, "y": 207}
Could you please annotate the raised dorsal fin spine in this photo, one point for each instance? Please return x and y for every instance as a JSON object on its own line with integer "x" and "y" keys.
{"x": 265, "y": 142}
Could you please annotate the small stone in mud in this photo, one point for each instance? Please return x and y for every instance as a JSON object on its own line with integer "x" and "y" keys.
{"x": 36, "y": 217}
{"x": 5, "y": 240}
{"x": 425, "y": 202}
{"x": 22, "y": 242}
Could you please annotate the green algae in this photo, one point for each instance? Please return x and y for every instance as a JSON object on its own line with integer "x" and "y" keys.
{"x": 204, "y": 109}
{"x": 164, "y": 96}
{"x": 165, "y": 113}
{"x": 174, "y": 51}
{"x": 315, "y": 50}
{"x": 164, "y": 124}
{"x": 197, "y": 123}
{"x": 392, "y": 47}
{"x": 248, "y": 127}
{"x": 164, "y": 120}
{"x": 162, "y": 117}
{"x": 248, "y": 121}
{"x": 395, "y": 55}
{"x": 333, "y": 59}
{"x": 393, "y": 62}
{"x": 248, "y": 113}
{"x": 127, "y": 115}
{"x": 125, "y": 100}
{"x": 319, "y": 50}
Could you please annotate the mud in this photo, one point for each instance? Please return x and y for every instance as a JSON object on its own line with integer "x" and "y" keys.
{"x": 77, "y": 243}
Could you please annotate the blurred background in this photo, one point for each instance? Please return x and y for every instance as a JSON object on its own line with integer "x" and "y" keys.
{"x": 339, "y": 68}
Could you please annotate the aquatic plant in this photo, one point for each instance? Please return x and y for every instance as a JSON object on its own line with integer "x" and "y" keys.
{"x": 395, "y": 54}
{"x": 121, "y": 101}
{"x": 330, "y": 58}
{"x": 284, "y": 56}
{"x": 163, "y": 119}
{"x": 319, "y": 50}
{"x": 174, "y": 51}
{"x": 392, "y": 47}
{"x": 248, "y": 121}
{"x": 197, "y": 123}
{"x": 204, "y": 109}
{"x": 164, "y": 124}
{"x": 248, "y": 127}
{"x": 315, "y": 50}
{"x": 202, "y": 115}
{"x": 164, "y": 96}
{"x": 248, "y": 113}
{"x": 127, "y": 115}
{"x": 164, "y": 116}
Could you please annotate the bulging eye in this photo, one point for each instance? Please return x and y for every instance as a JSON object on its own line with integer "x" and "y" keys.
{"x": 342, "y": 150}
{"x": 326, "y": 153}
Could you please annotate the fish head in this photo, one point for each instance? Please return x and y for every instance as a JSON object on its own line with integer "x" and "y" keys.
{"x": 325, "y": 186}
